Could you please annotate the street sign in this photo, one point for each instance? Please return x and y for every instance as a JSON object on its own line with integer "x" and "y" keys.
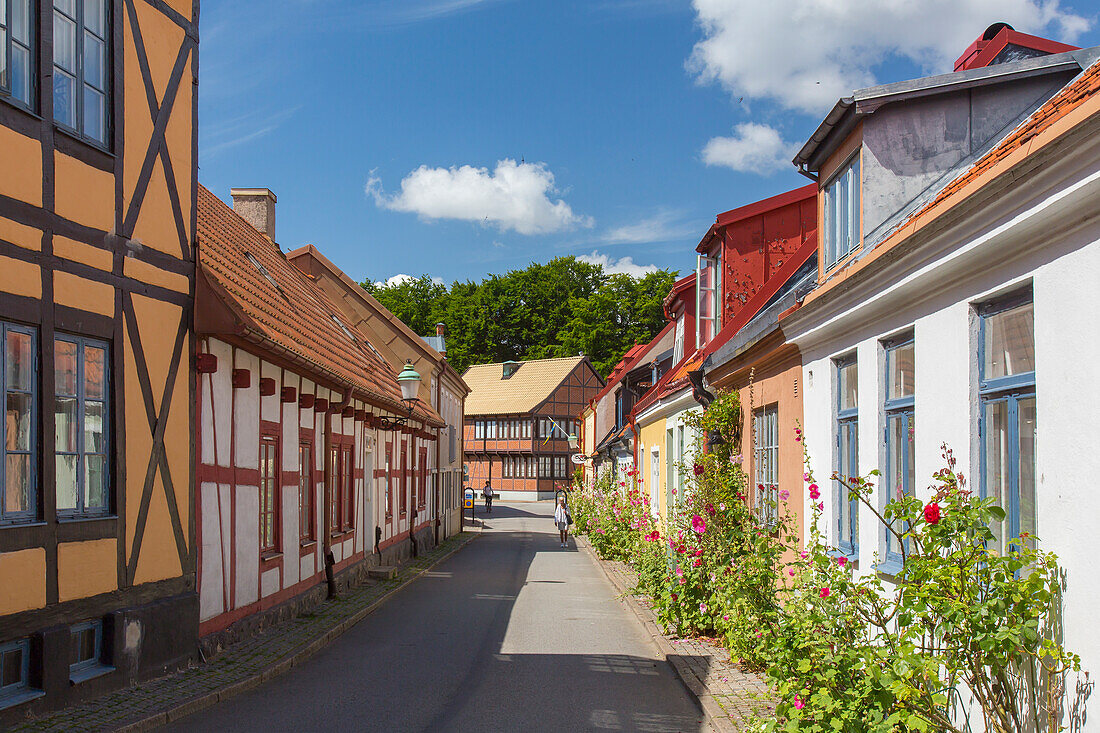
{"x": 468, "y": 501}
{"x": 579, "y": 458}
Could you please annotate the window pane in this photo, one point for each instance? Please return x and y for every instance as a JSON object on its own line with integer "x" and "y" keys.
{"x": 94, "y": 114}
{"x": 853, "y": 205}
{"x": 66, "y": 481}
{"x": 1010, "y": 342}
{"x": 830, "y": 224}
{"x": 18, "y": 422}
{"x": 64, "y": 43}
{"x": 66, "y": 6}
{"x": 20, "y": 73}
{"x": 901, "y": 366}
{"x": 900, "y": 464}
{"x": 95, "y": 367}
{"x": 12, "y": 667}
{"x": 1026, "y": 424}
{"x": 20, "y": 28}
{"x": 93, "y": 427}
{"x": 66, "y": 424}
{"x": 95, "y": 482}
{"x": 996, "y": 458}
{"x": 94, "y": 16}
{"x": 19, "y": 361}
{"x": 65, "y": 367}
{"x": 848, "y": 396}
{"x": 18, "y": 483}
{"x": 843, "y": 216}
{"x": 64, "y": 98}
{"x": 94, "y": 61}
{"x": 4, "y": 81}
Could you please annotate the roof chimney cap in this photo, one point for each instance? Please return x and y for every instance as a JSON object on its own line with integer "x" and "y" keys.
{"x": 439, "y": 329}
{"x": 257, "y": 207}
{"x": 992, "y": 31}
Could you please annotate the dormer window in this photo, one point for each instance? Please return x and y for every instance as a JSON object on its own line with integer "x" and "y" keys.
{"x": 708, "y": 298}
{"x": 843, "y": 231}
{"x": 678, "y": 343}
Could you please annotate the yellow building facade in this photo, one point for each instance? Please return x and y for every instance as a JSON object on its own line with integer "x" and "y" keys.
{"x": 97, "y": 218}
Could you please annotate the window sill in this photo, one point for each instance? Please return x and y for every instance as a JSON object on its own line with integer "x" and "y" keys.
{"x": 340, "y": 534}
{"x": 86, "y": 517}
{"x": 76, "y": 137}
{"x": 13, "y": 523}
{"x": 89, "y": 673}
{"x": 270, "y": 555}
{"x": 891, "y": 568}
{"x": 18, "y": 698}
{"x": 307, "y": 544}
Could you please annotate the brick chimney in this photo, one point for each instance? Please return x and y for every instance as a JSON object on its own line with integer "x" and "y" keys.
{"x": 257, "y": 207}
{"x": 440, "y": 332}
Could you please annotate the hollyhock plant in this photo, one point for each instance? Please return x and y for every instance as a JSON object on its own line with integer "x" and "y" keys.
{"x": 698, "y": 525}
{"x": 815, "y": 493}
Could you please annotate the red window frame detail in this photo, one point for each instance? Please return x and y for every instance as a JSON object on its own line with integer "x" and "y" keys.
{"x": 347, "y": 481}
{"x": 404, "y": 477}
{"x": 423, "y": 477}
{"x": 342, "y": 496}
{"x": 307, "y": 519}
{"x": 270, "y": 515}
{"x": 389, "y": 481}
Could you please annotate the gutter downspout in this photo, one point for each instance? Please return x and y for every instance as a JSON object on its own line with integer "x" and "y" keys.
{"x": 330, "y": 559}
{"x": 438, "y": 455}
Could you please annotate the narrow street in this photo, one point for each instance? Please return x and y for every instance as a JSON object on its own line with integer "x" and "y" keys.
{"x": 511, "y": 633}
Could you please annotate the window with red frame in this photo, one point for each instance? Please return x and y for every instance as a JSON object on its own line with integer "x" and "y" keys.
{"x": 269, "y": 493}
{"x": 306, "y": 516}
{"x": 423, "y": 477}
{"x": 389, "y": 481}
{"x": 404, "y": 477}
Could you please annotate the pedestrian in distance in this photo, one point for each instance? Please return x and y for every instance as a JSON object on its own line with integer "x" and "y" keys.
{"x": 563, "y": 519}
{"x": 487, "y": 494}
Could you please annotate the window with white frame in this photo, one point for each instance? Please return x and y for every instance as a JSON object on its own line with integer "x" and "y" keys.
{"x": 17, "y": 58}
{"x": 842, "y": 213}
{"x": 1007, "y": 421}
{"x": 678, "y": 340}
{"x": 847, "y": 456}
{"x": 708, "y": 298}
{"x": 765, "y": 427}
{"x": 81, "y": 426}
{"x": 900, "y": 476}
{"x": 81, "y": 89}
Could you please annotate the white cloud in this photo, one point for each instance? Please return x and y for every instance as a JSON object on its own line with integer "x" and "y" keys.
{"x": 621, "y": 266}
{"x": 664, "y": 226}
{"x": 514, "y": 196}
{"x": 753, "y": 148}
{"x": 401, "y": 279}
{"x": 805, "y": 54}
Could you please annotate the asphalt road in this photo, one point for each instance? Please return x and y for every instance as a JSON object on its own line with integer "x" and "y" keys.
{"x": 512, "y": 633}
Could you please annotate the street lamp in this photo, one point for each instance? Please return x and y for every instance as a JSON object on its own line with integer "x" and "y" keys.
{"x": 573, "y": 443}
{"x": 409, "y": 380}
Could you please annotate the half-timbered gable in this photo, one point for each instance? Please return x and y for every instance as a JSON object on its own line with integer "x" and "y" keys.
{"x": 97, "y": 215}
{"x": 294, "y": 413}
{"x": 519, "y": 419}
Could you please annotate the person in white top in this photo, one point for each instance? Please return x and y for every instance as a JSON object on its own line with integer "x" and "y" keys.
{"x": 562, "y": 519}
{"x": 487, "y": 494}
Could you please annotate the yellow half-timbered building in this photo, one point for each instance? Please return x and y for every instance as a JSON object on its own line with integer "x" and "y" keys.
{"x": 97, "y": 219}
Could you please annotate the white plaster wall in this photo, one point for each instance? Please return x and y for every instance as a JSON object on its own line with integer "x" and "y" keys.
{"x": 246, "y": 415}
{"x": 269, "y": 582}
{"x": 247, "y": 556}
{"x": 270, "y": 404}
{"x": 211, "y": 577}
{"x": 217, "y": 401}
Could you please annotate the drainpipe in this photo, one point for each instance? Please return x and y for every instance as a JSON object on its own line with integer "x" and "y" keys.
{"x": 438, "y": 456}
{"x": 330, "y": 559}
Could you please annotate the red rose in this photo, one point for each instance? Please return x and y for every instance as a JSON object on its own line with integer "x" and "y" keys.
{"x": 932, "y": 513}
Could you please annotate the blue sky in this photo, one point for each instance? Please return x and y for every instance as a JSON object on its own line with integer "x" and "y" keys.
{"x": 464, "y": 137}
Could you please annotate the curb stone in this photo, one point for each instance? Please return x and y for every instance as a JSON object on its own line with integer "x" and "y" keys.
{"x": 714, "y": 712}
{"x": 180, "y": 710}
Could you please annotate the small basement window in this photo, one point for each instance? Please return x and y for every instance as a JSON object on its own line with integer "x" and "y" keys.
{"x": 15, "y": 667}
{"x": 86, "y": 652}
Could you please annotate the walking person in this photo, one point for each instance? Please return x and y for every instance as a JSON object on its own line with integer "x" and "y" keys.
{"x": 563, "y": 520}
{"x": 487, "y": 494}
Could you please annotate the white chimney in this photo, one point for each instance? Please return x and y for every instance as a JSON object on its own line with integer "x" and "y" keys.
{"x": 257, "y": 207}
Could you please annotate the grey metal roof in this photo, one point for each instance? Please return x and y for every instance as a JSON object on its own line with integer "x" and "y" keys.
{"x": 848, "y": 110}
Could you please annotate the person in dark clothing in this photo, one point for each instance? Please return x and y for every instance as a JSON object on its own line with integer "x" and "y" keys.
{"x": 487, "y": 494}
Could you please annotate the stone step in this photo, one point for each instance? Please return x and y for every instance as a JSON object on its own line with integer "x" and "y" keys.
{"x": 383, "y": 572}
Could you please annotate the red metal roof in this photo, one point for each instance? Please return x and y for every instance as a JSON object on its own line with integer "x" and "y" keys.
{"x": 287, "y": 313}
{"x": 981, "y": 52}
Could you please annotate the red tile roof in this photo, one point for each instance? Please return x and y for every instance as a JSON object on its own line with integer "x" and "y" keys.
{"x": 287, "y": 313}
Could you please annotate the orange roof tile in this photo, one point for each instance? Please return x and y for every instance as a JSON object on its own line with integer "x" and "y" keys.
{"x": 278, "y": 306}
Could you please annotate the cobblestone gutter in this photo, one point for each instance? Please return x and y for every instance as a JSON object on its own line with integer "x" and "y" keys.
{"x": 731, "y": 698}
{"x": 240, "y": 667}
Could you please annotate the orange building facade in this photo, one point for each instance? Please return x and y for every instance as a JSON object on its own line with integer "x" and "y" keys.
{"x": 97, "y": 218}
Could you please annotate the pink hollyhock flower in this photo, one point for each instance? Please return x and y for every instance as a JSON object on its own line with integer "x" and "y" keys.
{"x": 806, "y": 477}
{"x": 674, "y": 596}
{"x": 790, "y": 573}
{"x": 671, "y": 544}
{"x": 803, "y": 554}
{"x": 737, "y": 459}
{"x": 725, "y": 617}
{"x": 815, "y": 494}
{"x": 821, "y": 507}
{"x": 824, "y": 592}
{"x": 722, "y": 506}
{"x": 784, "y": 495}
{"x": 702, "y": 608}
{"x": 842, "y": 561}
{"x": 698, "y": 525}
{"x": 932, "y": 513}
{"x": 698, "y": 469}
{"x": 798, "y": 702}
{"x": 682, "y": 581}
{"x": 697, "y": 563}
{"x": 679, "y": 571}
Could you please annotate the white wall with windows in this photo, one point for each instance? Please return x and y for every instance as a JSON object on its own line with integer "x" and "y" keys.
{"x": 982, "y": 339}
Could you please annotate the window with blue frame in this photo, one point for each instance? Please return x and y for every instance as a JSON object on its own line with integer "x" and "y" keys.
{"x": 81, "y": 426}
{"x": 17, "y": 59}
{"x": 847, "y": 463}
{"x": 898, "y": 406}
{"x": 18, "y": 487}
{"x": 14, "y": 671}
{"x": 86, "y": 658}
{"x": 1006, "y": 424}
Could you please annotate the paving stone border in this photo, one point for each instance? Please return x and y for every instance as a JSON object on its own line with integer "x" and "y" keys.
{"x": 243, "y": 666}
{"x": 730, "y": 697}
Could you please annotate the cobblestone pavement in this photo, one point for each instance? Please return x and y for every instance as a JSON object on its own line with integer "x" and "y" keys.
{"x": 242, "y": 666}
{"x": 741, "y": 697}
